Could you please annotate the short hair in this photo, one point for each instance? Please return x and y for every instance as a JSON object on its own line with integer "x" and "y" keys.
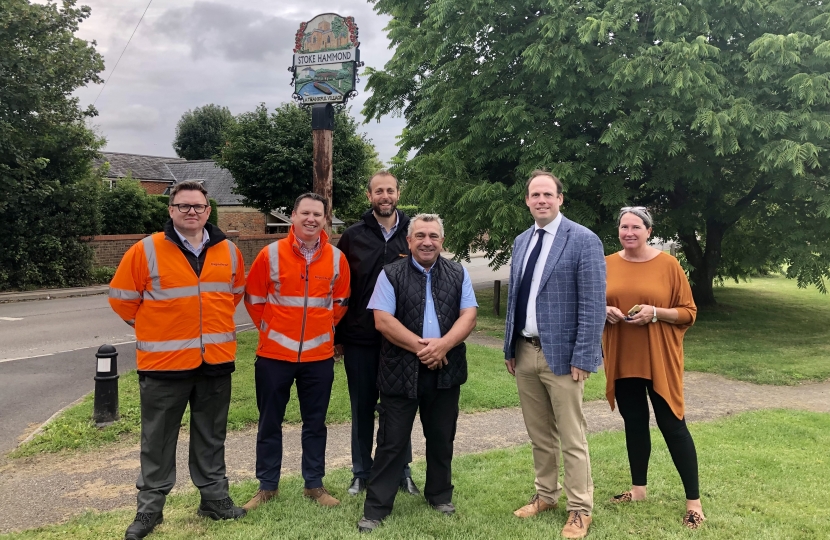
{"x": 427, "y": 218}
{"x": 383, "y": 172}
{"x": 639, "y": 211}
{"x": 312, "y": 196}
{"x": 187, "y": 186}
{"x": 542, "y": 172}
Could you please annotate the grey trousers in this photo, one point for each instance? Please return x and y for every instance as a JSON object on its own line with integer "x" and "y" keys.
{"x": 163, "y": 402}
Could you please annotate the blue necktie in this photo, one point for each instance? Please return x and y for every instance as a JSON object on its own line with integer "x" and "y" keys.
{"x": 520, "y": 319}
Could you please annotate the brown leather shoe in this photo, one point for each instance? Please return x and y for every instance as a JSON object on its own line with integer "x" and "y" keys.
{"x": 321, "y": 495}
{"x": 577, "y": 525}
{"x": 262, "y": 496}
{"x": 535, "y": 506}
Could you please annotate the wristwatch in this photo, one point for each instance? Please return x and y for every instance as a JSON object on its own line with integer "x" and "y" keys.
{"x": 654, "y": 317}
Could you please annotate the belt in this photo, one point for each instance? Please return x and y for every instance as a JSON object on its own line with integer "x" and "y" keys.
{"x": 533, "y": 341}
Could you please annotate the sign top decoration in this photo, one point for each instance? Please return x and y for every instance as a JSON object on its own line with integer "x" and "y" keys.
{"x": 326, "y": 58}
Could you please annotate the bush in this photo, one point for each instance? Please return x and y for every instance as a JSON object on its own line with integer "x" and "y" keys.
{"x": 126, "y": 208}
{"x": 102, "y": 274}
{"x": 409, "y": 209}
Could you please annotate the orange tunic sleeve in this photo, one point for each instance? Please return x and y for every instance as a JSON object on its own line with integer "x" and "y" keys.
{"x": 653, "y": 351}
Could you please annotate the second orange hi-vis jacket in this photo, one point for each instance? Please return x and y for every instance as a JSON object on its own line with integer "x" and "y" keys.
{"x": 181, "y": 320}
{"x": 295, "y": 304}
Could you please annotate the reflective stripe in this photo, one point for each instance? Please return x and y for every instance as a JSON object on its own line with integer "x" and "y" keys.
{"x": 215, "y": 286}
{"x": 262, "y": 326}
{"x": 251, "y": 299}
{"x": 167, "y": 294}
{"x": 336, "y": 258}
{"x": 274, "y": 262}
{"x": 152, "y": 262}
{"x": 168, "y": 346}
{"x": 342, "y": 301}
{"x": 124, "y": 294}
{"x": 294, "y": 345}
{"x": 299, "y": 301}
{"x": 238, "y": 290}
{"x": 232, "y": 252}
{"x": 212, "y": 339}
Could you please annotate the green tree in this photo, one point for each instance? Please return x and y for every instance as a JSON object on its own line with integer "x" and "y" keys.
{"x": 714, "y": 114}
{"x": 271, "y": 156}
{"x": 199, "y": 133}
{"x": 48, "y": 193}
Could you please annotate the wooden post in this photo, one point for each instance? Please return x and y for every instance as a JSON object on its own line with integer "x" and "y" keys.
{"x": 496, "y": 297}
{"x": 322, "y": 128}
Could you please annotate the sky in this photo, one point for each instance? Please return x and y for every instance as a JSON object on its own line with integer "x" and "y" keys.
{"x": 186, "y": 54}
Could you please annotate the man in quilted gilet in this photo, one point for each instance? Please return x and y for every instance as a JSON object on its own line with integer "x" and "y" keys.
{"x": 425, "y": 307}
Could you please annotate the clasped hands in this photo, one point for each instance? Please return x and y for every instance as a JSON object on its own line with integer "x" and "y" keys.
{"x": 434, "y": 353}
{"x": 613, "y": 315}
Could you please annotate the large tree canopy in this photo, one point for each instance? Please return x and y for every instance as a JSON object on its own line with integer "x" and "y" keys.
{"x": 714, "y": 114}
{"x": 199, "y": 133}
{"x": 271, "y": 157}
{"x": 48, "y": 198}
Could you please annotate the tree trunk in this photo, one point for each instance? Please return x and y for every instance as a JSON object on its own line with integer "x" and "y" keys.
{"x": 704, "y": 262}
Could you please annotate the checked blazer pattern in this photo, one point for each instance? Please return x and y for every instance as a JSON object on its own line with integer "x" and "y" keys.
{"x": 570, "y": 306}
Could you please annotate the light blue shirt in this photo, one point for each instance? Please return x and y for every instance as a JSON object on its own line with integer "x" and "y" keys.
{"x": 388, "y": 234}
{"x": 383, "y": 298}
{"x": 196, "y": 250}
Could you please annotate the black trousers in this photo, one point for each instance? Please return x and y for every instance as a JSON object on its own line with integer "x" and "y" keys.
{"x": 163, "y": 402}
{"x": 396, "y": 415}
{"x": 274, "y": 379}
{"x": 631, "y": 400}
{"x": 361, "y": 363}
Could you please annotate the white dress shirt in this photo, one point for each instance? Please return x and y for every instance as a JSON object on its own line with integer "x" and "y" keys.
{"x": 531, "y": 329}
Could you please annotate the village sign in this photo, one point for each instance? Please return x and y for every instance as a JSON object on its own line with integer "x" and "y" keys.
{"x": 326, "y": 58}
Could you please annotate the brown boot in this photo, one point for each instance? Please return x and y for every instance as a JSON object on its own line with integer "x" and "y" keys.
{"x": 535, "y": 506}
{"x": 262, "y": 496}
{"x": 577, "y": 525}
{"x": 321, "y": 495}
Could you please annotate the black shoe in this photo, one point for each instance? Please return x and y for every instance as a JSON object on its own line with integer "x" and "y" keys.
{"x": 143, "y": 525}
{"x": 366, "y": 525}
{"x": 408, "y": 486}
{"x": 357, "y": 485}
{"x": 221, "y": 509}
{"x": 447, "y": 509}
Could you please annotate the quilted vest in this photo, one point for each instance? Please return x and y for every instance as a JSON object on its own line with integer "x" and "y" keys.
{"x": 398, "y": 370}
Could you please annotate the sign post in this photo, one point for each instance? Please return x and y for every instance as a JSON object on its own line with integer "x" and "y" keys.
{"x": 326, "y": 58}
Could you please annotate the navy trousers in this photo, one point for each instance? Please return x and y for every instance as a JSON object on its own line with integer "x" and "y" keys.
{"x": 274, "y": 379}
{"x": 361, "y": 363}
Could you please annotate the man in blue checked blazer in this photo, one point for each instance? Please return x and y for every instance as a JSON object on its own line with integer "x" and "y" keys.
{"x": 552, "y": 343}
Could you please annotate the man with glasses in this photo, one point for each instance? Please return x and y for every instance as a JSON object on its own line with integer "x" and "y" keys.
{"x": 179, "y": 289}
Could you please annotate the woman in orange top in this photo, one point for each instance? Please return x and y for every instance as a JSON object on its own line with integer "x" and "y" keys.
{"x": 649, "y": 308}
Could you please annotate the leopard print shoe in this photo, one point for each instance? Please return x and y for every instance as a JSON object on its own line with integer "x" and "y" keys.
{"x": 693, "y": 520}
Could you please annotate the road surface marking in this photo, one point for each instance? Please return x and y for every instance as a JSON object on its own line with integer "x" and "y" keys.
{"x": 11, "y": 318}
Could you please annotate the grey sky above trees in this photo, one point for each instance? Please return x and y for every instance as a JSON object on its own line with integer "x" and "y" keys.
{"x": 188, "y": 53}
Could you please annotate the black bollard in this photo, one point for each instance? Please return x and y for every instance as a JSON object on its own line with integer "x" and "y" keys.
{"x": 105, "y": 411}
{"x": 496, "y": 297}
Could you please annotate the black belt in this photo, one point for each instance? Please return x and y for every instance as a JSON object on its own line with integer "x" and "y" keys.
{"x": 532, "y": 340}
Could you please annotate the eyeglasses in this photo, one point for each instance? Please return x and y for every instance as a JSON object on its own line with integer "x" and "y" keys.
{"x": 185, "y": 208}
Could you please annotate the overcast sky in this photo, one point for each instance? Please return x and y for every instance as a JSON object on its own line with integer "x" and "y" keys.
{"x": 188, "y": 53}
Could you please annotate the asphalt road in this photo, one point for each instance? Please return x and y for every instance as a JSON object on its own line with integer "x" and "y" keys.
{"x": 47, "y": 352}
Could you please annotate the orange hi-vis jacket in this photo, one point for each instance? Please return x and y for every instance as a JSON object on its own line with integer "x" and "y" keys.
{"x": 181, "y": 320}
{"x": 295, "y": 304}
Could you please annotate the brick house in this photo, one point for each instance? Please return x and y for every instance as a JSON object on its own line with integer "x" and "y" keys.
{"x": 157, "y": 174}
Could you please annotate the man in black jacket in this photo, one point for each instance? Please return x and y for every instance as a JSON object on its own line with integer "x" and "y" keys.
{"x": 378, "y": 239}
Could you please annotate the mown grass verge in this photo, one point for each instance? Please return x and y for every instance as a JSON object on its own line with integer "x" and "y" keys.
{"x": 762, "y": 474}
{"x": 489, "y": 386}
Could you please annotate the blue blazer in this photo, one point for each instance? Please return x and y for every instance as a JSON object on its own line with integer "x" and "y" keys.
{"x": 570, "y": 306}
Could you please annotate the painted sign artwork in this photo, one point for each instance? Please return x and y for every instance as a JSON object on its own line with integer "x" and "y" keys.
{"x": 326, "y": 58}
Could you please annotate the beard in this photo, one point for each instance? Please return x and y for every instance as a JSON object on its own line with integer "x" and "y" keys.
{"x": 377, "y": 210}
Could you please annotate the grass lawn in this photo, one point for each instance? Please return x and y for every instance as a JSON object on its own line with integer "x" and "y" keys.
{"x": 489, "y": 386}
{"x": 766, "y": 331}
{"x": 763, "y": 476}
